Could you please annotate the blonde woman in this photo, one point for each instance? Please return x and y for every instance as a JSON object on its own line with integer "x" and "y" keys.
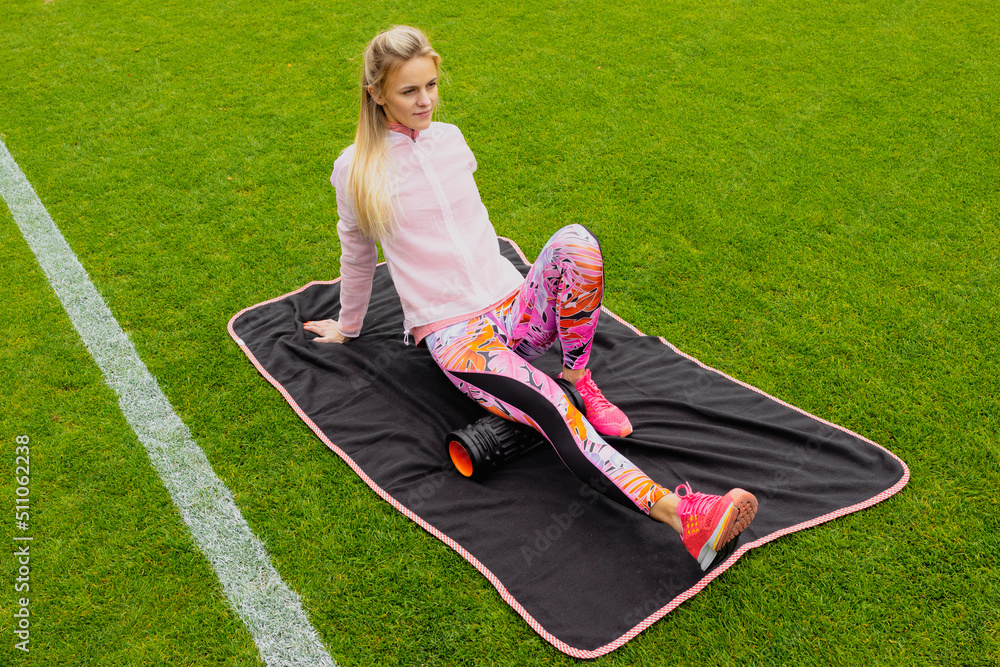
{"x": 407, "y": 184}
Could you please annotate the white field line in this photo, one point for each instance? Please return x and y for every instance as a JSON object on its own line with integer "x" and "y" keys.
{"x": 270, "y": 610}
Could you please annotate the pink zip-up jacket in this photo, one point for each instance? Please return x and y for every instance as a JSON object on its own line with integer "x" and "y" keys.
{"x": 444, "y": 258}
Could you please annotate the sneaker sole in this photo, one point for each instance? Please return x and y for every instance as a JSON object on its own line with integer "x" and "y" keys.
{"x": 739, "y": 514}
{"x": 746, "y": 506}
{"x": 603, "y": 430}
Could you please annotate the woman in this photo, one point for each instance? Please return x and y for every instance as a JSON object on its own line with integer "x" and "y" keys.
{"x": 406, "y": 183}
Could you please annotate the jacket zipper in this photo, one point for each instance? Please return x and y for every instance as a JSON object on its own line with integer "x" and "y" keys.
{"x": 449, "y": 219}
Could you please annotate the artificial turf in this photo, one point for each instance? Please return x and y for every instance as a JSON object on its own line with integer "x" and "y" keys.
{"x": 803, "y": 195}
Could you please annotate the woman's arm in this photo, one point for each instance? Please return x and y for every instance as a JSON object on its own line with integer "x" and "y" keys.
{"x": 358, "y": 257}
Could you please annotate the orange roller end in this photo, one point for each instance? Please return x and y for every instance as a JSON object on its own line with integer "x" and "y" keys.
{"x": 460, "y": 458}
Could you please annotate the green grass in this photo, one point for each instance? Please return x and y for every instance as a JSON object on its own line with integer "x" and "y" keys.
{"x": 803, "y": 195}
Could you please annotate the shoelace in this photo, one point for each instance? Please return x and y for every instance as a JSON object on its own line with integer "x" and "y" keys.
{"x": 695, "y": 503}
{"x": 592, "y": 396}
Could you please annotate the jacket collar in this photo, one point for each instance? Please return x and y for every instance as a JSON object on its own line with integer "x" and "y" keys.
{"x": 404, "y": 130}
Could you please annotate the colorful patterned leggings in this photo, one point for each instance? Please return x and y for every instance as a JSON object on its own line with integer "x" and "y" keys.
{"x": 488, "y": 358}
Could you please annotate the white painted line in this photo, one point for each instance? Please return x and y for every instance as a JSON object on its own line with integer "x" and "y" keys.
{"x": 270, "y": 610}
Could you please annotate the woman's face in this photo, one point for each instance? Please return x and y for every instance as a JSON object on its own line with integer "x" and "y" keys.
{"x": 411, "y": 94}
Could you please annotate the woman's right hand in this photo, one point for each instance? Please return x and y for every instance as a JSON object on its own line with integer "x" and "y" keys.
{"x": 328, "y": 331}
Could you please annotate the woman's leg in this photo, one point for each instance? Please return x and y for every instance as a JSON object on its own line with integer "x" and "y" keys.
{"x": 476, "y": 358}
{"x": 561, "y": 298}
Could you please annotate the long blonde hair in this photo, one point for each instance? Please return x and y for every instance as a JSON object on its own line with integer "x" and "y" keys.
{"x": 367, "y": 179}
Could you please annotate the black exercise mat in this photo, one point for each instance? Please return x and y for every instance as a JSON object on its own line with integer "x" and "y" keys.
{"x": 584, "y": 572}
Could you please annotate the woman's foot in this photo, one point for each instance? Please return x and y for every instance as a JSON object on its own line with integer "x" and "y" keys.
{"x": 708, "y": 524}
{"x": 600, "y": 412}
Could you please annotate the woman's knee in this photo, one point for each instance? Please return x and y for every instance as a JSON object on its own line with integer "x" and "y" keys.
{"x": 577, "y": 245}
{"x": 576, "y": 235}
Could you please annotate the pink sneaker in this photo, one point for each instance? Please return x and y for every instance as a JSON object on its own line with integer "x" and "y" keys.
{"x": 606, "y": 418}
{"x": 712, "y": 522}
